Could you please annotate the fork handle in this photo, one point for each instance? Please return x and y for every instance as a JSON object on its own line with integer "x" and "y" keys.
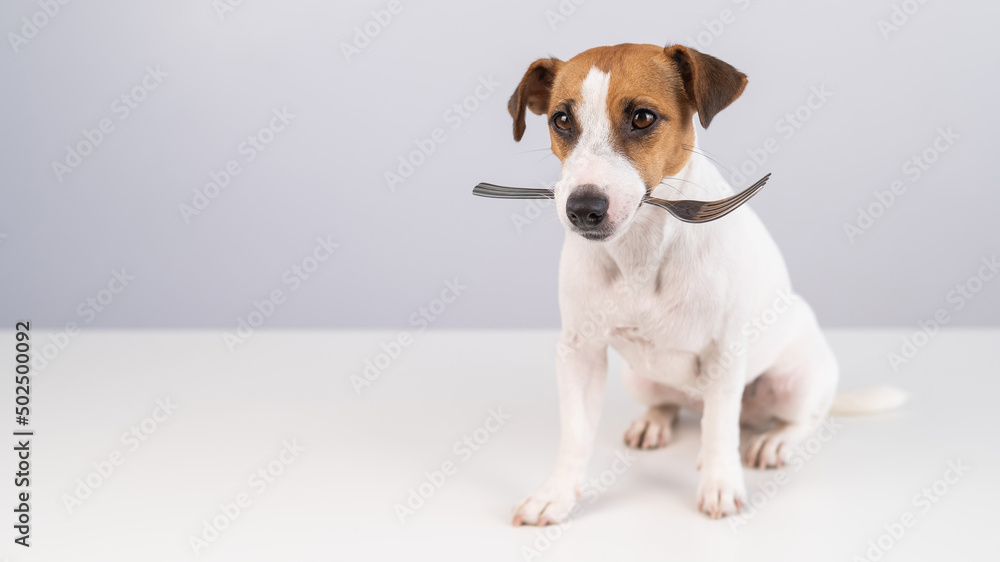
{"x": 501, "y": 192}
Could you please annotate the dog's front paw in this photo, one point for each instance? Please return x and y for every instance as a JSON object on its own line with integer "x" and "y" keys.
{"x": 551, "y": 504}
{"x": 722, "y": 491}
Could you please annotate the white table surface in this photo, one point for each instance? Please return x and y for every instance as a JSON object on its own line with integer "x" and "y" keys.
{"x": 362, "y": 454}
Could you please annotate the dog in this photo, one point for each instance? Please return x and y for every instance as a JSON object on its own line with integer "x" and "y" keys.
{"x": 703, "y": 314}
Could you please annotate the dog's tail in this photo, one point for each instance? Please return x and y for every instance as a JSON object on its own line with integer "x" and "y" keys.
{"x": 867, "y": 401}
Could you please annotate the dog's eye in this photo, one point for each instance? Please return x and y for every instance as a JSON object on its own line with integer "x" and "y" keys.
{"x": 642, "y": 118}
{"x": 561, "y": 121}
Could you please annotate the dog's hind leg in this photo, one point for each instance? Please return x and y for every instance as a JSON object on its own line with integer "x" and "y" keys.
{"x": 795, "y": 393}
{"x": 654, "y": 428}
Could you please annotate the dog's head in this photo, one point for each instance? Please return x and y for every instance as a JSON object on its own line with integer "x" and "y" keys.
{"x": 620, "y": 120}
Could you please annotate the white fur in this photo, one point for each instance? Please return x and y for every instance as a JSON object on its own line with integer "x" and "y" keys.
{"x": 594, "y": 162}
{"x": 868, "y": 401}
{"x": 698, "y": 312}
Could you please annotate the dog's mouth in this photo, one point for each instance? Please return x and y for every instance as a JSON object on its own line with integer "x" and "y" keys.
{"x": 595, "y": 236}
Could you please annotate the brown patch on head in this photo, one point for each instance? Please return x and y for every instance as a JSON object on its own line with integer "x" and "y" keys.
{"x": 642, "y": 79}
{"x": 671, "y": 83}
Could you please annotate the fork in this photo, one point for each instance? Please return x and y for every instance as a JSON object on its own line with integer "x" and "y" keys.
{"x": 685, "y": 210}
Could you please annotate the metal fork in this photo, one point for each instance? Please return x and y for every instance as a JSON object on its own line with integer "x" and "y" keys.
{"x": 685, "y": 209}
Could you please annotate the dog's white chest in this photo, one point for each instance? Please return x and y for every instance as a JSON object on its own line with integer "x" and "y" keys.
{"x": 652, "y": 339}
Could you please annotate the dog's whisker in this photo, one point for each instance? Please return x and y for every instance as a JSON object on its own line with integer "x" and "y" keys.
{"x": 675, "y": 178}
{"x": 700, "y": 152}
{"x": 696, "y": 184}
{"x": 674, "y": 187}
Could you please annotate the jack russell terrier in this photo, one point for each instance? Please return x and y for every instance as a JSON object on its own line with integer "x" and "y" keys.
{"x": 703, "y": 314}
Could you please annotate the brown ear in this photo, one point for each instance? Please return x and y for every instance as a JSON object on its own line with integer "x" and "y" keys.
{"x": 533, "y": 92}
{"x": 710, "y": 83}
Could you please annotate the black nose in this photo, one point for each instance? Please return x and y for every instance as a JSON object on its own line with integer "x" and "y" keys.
{"x": 586, "y": 209}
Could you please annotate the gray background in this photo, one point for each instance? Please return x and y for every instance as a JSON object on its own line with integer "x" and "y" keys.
{"x": 324, "y": 174}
